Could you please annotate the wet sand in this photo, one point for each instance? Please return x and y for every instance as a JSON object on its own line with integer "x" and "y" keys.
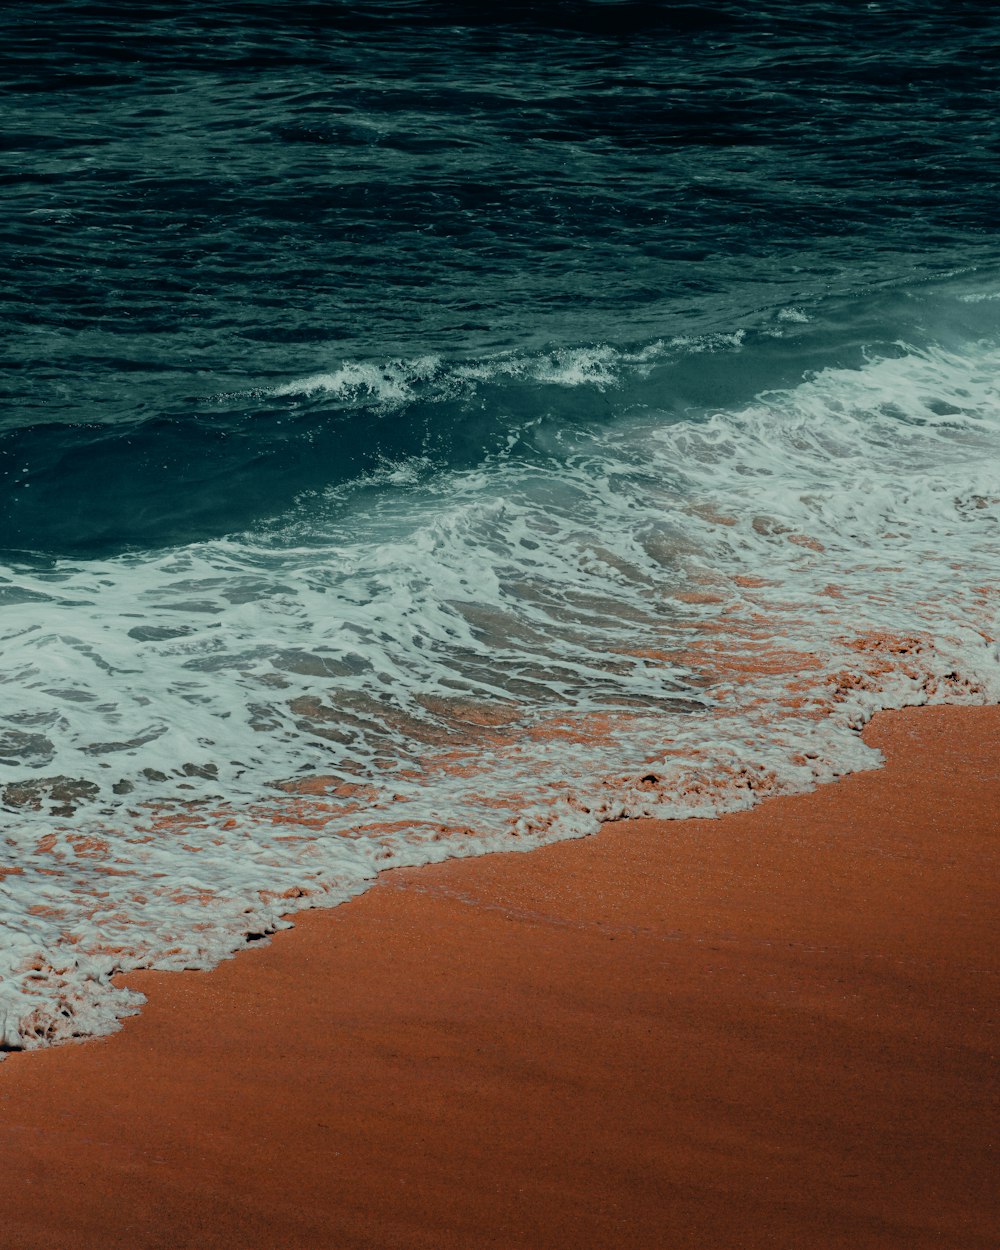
{"x": 774, "y": 1029}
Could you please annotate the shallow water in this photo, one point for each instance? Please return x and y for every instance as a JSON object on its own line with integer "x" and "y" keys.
{"x": 429, "y": 433}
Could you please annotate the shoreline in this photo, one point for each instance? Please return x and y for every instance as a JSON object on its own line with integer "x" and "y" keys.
{"x": 769, "y": 1028}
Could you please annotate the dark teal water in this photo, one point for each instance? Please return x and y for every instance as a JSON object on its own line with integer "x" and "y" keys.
{"x": 431, "y": 428}
{"x": 202, "y": 202}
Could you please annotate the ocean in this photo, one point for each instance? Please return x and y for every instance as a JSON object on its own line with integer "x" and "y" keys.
{"x": 432, "y": 429}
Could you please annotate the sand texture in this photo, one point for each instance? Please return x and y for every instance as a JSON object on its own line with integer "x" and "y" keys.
{"x": 773, "y": 1029}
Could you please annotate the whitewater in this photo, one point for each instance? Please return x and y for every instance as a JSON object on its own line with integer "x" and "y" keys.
{"x": 632, "y": 606}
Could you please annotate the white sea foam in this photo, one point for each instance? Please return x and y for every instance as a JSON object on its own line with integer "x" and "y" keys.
{"x": 390, "y": 382}
{"x": 395, "y": 382}
{"x": 676, "y": 618}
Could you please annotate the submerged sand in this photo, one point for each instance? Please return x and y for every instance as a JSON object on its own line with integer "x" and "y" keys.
{"x": 772, "y": 1029}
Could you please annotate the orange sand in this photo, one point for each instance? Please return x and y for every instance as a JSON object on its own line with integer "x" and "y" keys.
{"x": 774, "y": 1029}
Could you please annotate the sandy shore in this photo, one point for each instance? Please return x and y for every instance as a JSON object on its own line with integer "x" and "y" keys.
{"x": 775, "y": 1029}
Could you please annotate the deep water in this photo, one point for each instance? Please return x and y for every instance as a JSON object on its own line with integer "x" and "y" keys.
{"x": 202, "y": 202}
{"x": 415, "y": 414}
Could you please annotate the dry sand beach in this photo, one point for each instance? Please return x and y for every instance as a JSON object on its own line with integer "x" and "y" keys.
{"x": 772, "y": 1029}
